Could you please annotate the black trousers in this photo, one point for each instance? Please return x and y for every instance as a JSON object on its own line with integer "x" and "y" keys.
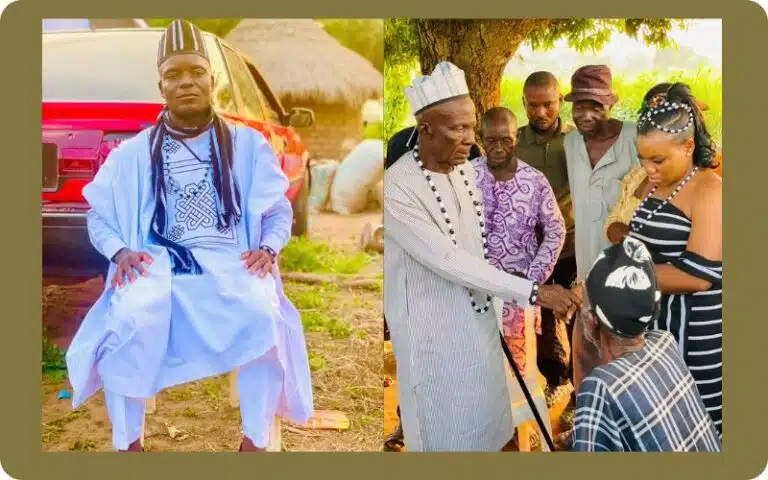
{"x": 553, "y": 346}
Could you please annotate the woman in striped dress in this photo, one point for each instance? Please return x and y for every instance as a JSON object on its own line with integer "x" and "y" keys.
{"x": 680, "y": 221}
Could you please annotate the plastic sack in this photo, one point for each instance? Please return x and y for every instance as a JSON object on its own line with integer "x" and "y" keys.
{"x": 358, "y": 173}
{"x": 322, "y": 179}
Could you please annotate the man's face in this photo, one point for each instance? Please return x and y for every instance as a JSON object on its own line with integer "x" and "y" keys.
{"x": 588, "y": 116}
{"x": 542, "y": 106}
{"x": 186, "y": 83}
{"x": 499, "y": 139}
{"x": 448, "y": 130}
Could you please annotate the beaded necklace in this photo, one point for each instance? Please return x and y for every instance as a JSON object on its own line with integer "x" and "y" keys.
{"x": 451, "y": 231}
{"x": 635, "y": 224}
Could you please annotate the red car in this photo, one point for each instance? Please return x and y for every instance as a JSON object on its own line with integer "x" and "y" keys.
{"x": 99, "y": 88}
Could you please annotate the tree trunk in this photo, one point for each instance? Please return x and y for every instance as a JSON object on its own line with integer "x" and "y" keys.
{"x": 482, "y": 48}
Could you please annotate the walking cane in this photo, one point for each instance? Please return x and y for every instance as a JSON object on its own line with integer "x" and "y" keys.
{"x": 527, "y": 394}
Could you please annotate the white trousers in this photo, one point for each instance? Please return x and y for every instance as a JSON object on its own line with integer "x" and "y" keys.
{"x": 259, "y": 384}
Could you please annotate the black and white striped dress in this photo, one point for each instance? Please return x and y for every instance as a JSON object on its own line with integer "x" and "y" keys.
{"x": 695, "y": 320}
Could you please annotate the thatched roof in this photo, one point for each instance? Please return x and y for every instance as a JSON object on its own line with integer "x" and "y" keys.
{"x": 303, "y": 63}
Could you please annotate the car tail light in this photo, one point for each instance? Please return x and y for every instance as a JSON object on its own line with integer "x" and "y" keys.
{"x": 109, "y": 142}
{"x": 76, "y": 173}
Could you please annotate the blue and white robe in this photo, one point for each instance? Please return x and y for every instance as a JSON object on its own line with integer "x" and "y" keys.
{"x": 164, "y": 329}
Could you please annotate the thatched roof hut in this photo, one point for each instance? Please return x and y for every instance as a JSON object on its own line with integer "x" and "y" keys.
{"x": 309, "y": 68}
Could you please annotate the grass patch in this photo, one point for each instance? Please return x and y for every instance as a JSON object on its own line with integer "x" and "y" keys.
{"x": 319, "y": 322}
{"x": 357, "y": 392}
{"x": 366, "y": 421}
{"x": 304, "y": 255}
{"x": 189, "y": 412}
{"x": 53, "y": 429}
{"x": 316, "y": 362}
{"x": 308, "y": 299}
{"x": 54, "y": 376}
{"x": 54, "y": 362}
{"x": 179, "y": 395}
{"x": 83, "y": 446}
{"x": 212, "y": 391}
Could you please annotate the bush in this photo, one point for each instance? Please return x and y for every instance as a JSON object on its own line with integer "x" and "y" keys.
{"x": 706, "y": 84}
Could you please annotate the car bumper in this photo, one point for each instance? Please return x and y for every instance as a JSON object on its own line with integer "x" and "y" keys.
{"x": 67, "y": 249}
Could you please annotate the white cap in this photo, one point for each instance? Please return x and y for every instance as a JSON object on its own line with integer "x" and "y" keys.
{"x": 446, "y": 82}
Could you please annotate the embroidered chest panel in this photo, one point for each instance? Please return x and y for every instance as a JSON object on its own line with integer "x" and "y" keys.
{"x": 192, "y": 205}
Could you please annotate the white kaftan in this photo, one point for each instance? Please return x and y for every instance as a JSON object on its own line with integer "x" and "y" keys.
{"x": 455, "y": 386}
{"x": 166, "y": 329}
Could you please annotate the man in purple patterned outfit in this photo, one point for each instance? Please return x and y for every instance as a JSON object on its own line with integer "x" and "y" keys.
{"x": 526, "y": 230}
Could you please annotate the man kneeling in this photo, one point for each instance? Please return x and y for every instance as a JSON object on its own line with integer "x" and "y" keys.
{"x": 642, "y": 396}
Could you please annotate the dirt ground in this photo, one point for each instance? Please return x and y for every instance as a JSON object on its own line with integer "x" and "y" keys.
{"x": 345, "y": 344}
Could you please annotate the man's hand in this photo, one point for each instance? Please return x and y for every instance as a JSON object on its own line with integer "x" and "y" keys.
{"x": 578, "y": 289}
{"x": 127, "y": 261}
{"x": 557, "y": 299}
{"x": 256, "y": 260}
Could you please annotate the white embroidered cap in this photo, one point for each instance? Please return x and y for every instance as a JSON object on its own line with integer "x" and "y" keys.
{"x": 446, "y": 82}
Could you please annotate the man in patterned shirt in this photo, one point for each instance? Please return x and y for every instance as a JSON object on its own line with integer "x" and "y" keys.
{"x": 643, "y": 397}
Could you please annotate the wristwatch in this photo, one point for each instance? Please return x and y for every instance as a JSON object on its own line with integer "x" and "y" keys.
{"x": 267, "y": 249}
{"x": 534, "y": 294}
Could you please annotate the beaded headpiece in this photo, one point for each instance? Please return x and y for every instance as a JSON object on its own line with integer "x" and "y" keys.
{"x": 659, "y": 104}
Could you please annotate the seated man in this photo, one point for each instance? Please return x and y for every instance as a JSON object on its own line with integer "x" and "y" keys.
{"x": 642, "y": 397}
{"x": 192, "y": 213}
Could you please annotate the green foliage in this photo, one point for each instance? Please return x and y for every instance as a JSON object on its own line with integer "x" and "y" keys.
{"x": 316, "y": 362}
{"x": 364, "y": 36}
{"x": 217, "y": 26}
{"x": 53, "y": 357}
{"x": 706, "y": 84}
{"x": 401, "y": 53}
{"x": 320, "y": 322}
{"x": 401, "y": 50}
{"x": 304, "y": 255}
{"x": 308, "y": 299}
{"x": 593, "y": 34}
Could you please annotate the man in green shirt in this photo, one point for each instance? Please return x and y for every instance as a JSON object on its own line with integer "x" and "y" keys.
{"x": 540, "y": 145}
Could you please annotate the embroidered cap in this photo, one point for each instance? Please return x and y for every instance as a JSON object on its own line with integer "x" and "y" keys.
{"x": 180, "y": 37}
{"x": 446, "y": 82}
{"x": 622, "y": 288}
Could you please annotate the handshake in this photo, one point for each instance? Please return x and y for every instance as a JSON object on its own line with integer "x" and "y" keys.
{"x": 562, "y": 301}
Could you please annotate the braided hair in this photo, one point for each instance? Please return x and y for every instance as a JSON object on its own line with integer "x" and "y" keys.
{"x": 672, "y": 108}
{"x": 182, "y": 260}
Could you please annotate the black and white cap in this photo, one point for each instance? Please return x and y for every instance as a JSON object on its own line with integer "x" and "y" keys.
{"x": 180, "y": 37}
{"x": 622, "y": 288}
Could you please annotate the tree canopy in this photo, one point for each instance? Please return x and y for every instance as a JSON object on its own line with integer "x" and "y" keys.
{"x": 482, "y": 48}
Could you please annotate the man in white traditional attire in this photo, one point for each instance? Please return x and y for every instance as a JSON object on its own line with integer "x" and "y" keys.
{"x": 192, "y": 214}
{"x": 439, "y": 289}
